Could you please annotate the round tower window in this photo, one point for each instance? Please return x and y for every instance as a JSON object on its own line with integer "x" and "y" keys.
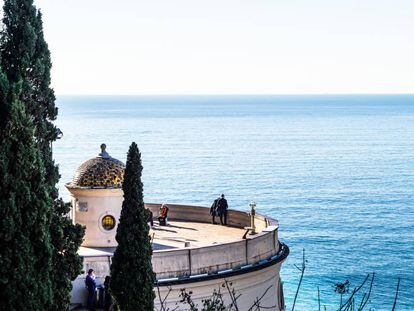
{"x": 108, "y": 222}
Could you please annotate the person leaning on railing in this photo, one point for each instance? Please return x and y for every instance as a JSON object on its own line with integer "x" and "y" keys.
{"x": 213, "y": 210}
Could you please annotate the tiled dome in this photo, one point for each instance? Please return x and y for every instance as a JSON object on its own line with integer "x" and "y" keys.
{"x": 99, "y": 172}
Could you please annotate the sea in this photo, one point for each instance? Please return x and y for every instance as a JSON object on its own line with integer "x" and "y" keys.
{"x": 336, "y": 171}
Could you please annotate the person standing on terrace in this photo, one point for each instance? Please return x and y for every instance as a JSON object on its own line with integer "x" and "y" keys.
{"x": 222, "y": 207}
{"x": 213, "y": 210}
{"x": 90, "y": 284}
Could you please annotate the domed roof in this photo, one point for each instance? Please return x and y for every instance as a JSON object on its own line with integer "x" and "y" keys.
{"x": 100, "y": 172}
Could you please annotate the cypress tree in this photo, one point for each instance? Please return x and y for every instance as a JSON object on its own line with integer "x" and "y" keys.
{"x": 25, "y": 250}
{"x": 26, "y": 61}
{"x": 132, "y": 278}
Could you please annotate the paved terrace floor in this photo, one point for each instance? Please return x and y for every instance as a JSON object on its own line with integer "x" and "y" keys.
{"x": 176, "y": 233}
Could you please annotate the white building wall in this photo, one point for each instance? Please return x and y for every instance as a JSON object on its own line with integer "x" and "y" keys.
{"x": 90, "y": 206}
{"x": 250, "y": 286}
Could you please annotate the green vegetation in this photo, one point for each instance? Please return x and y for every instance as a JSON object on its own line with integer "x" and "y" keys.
{"x": 132, "y": 278}
{"x": 66, "y": 263}
{"x": 25, "y": 61}
{"x": 25, "y": 210}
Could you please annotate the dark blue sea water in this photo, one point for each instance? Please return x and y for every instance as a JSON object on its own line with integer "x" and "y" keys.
{"x": 336, "y": 171}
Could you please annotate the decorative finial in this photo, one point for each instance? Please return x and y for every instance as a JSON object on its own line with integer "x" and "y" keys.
{"x": 103, "y": 153}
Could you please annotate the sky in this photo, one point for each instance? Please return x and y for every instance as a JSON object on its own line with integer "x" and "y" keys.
{"x": 230, "y": 46}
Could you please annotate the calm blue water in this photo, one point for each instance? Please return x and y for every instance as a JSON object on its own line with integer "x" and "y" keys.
{"x": 336, "y": 171}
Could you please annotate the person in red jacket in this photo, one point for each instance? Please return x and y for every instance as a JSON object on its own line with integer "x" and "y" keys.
{"x": 162, "y": 217}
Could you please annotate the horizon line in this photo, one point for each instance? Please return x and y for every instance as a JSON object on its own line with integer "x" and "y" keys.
{"x": 236, "y": 94}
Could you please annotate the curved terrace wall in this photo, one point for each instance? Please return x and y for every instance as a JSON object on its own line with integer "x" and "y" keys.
{"x": 210, "y": 259}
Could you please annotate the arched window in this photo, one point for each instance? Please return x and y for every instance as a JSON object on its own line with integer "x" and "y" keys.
{"x": 108, "y": 222}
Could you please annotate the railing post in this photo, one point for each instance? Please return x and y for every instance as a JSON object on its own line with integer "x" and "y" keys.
{"x": 252, "y": 216}
{"x": 189, "y": 261}
{"x": 247, "y": 252}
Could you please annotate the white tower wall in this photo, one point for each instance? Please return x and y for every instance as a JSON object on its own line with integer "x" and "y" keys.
{"x": 250, "y": 286}
{"x": 90, "y": 206}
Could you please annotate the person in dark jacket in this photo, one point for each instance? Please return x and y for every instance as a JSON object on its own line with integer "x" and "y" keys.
{"x": 150, "y": 217}
{"x": 108, "y": 297}
{"x": 213, "y": 210}
{"x": 91, "y": 287}
{"x": 222, "y": 207}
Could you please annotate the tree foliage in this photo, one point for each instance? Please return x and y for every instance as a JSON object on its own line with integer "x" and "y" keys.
{"x": 66, "y": 263}
{"x": 25, "y": 209}
{"x": 132, "y": 277}
{"x": 26, "y": 62}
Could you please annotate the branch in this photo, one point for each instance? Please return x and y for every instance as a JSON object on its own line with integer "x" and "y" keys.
{"x": 319, "y": 300}
{"x": 258, "y": 300}
{"x": 232, "y": 296}
{"x": 356, "y": 289}
{"x": 369, "y": 292}
{"x": 301, "y": 278}
{"x": 396, "y": 295}
{"x": 162, "y": 301}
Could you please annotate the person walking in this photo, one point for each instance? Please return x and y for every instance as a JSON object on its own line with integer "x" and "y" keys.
{"x": 213, "y": 211}
{"x": 90, "y": 283}
{"x": 222, "y": 207}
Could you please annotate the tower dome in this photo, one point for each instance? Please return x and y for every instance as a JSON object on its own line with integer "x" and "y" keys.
{"x": 101, "y": 172}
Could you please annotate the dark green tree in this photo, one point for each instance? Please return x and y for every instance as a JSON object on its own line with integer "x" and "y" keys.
{"x": 25, "y": 209}
{"x": 26, "y": 61}
{"x": 66, "y": 263}
{"x": 132, "y": 278}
